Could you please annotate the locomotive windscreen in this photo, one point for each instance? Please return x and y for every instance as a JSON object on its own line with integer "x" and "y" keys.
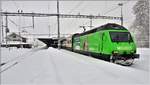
{"x": 121, "y": 36}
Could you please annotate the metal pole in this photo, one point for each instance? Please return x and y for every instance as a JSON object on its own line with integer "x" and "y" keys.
{"x": 121, "y": 5}
{"x": 19, "y": 23}
{"x": 2, "y": 29}
{"x": 6, "y": 28}
{"x": 58, "y": 23}
{"x": 0, "y": 25}
{"x": 91, "y": 23}
{"x": 49, "y": 30}
{"x": 49, "y": 22}
{"x": 19, "y": 26}
{"x": 20, "y": 12}
{"x": 121, "y": 16}
{"x": 33, "y": 21}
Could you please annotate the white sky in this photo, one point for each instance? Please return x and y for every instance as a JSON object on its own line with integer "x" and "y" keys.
{"x": 66, "y": 7}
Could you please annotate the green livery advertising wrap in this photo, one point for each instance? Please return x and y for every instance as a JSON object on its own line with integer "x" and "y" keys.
{"x": 110, "y": 41}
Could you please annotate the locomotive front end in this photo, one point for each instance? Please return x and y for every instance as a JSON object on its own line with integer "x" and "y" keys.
{"x": 123, "y": 48}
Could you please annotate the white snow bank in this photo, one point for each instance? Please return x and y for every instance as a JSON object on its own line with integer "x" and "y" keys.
{"x": 9, "y": 53}
{"x": 143, "y": 63}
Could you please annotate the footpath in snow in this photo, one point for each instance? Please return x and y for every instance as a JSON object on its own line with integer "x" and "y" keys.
{"x": 61, "y": 67}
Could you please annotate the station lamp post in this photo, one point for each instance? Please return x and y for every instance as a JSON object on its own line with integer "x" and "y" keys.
{"x": 121, "y": 5}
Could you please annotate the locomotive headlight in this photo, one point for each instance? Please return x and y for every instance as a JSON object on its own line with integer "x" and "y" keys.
{"x": 115, "y": 52}
{"x": 132, "y": 51}
{"x": 118, "y": 48}
{"x": 124, "y": 48}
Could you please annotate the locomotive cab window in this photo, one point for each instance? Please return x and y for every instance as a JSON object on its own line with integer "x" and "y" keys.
{"x": 121, "y": 37}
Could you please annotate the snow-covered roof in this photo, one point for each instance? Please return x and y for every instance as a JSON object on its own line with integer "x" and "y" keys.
{"x": 14, "y": 42}
{"x": 13, "y": 33}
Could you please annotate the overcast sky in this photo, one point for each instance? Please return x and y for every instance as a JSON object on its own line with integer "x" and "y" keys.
{"x": 67, "y": 7}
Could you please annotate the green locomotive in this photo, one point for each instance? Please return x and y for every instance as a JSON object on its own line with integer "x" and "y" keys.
{"x": 111, "y": 42}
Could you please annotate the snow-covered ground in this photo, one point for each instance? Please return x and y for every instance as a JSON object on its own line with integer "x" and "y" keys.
{"x": 61, "y": 67}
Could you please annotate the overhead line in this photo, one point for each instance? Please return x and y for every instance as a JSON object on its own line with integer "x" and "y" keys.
{"x": 76, "y": 7}
{"x": 15, "y": 4}
{"x": 61, "y": 15}
{"x": 115, "y": 8}
{"x": 12, "y": 22}
{"x": 111, "y": 10}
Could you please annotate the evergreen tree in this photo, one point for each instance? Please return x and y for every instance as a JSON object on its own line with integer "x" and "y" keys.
{"x": 140, "y": 27}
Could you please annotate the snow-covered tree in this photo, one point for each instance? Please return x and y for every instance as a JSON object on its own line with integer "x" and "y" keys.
{"x": 140, "y": 26}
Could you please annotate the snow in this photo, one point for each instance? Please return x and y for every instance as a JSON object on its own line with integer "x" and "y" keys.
{"x": 15, "y": 42}
{"x": 143, "y": 62}
{"x": 61, "y": 67}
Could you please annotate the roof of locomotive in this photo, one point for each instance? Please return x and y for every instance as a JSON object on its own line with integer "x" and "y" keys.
{"x": 108, "y": 26}
{"x": 111, "y": 26}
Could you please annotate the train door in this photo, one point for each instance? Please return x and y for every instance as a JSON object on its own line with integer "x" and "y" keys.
{"x": 105, "y": 43}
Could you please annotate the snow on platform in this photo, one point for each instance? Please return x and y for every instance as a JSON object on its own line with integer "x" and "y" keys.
{"x": 61, "y": 67}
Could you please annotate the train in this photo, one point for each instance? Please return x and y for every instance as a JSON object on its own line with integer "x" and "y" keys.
{"x": 111, "y": 42}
